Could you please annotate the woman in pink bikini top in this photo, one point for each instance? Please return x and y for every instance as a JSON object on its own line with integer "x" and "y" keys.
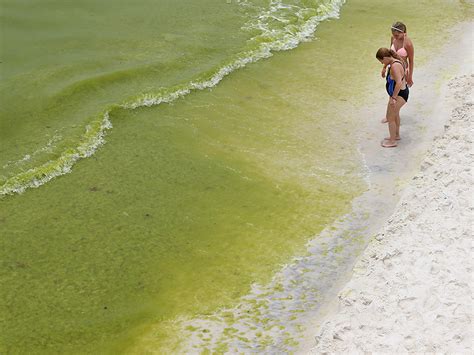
{"x": 403, "y": 46}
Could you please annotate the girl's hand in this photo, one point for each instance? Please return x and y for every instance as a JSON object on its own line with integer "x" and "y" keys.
{"x": 383, "y": 73}
{"x": 392, "y": 101}
{"x": 410, "y": 82}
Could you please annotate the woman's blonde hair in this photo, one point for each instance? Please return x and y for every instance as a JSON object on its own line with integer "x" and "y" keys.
{"x": 399, "y": 27}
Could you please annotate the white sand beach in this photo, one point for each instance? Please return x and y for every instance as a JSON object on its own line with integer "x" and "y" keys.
{"x": 411, "y": 290}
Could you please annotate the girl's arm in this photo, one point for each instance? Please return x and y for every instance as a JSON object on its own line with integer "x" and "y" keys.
{"x": 411, "y": 63}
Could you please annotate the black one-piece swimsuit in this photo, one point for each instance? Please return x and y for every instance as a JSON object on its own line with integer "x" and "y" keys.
{"x": 390, "y": 85}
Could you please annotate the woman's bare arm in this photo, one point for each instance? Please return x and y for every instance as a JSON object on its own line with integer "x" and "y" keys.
{"x": 411, "y": 62}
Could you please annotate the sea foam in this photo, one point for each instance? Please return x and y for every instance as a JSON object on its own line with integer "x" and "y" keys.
{"x": 277, "y": 27}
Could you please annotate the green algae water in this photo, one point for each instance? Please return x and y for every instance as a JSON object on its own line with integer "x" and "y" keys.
{"x": 205, "y": 184}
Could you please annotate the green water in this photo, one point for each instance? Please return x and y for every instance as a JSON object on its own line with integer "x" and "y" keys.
{"x": 187, "y": 203}
{"x": 64, "y": 64}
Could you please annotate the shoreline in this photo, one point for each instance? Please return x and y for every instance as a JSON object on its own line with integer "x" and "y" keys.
{"x": 300, "y": 293}
{"x": 418, "y": 119}
{"x": 110, "y": 212}
{"x": 94, "y": 133}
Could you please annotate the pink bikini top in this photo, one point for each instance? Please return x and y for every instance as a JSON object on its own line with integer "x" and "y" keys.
{"x": 402, "y": 52}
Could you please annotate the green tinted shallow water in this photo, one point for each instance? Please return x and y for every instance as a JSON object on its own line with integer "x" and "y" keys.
{"x": 187, "y": 204}
{"x": 64, "y": 64}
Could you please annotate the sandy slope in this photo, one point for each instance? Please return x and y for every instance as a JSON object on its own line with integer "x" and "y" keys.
{"x": 412, "y": 289}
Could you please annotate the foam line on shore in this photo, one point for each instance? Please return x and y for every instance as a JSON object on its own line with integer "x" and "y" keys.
{"x": 297, "y": 28}
{"x": 282, "y": 316}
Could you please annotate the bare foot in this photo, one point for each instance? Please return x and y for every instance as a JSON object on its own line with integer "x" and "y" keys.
{"x": 384, "y": 120}
{"x": 397, "y": 138}
{"x": 388, "y": 143}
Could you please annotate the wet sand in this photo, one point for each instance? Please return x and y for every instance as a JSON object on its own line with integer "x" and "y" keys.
{"x": 411, "y": 290}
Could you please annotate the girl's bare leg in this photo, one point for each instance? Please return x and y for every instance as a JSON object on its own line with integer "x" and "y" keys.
{"x": 384, "y": 120}
{"x": 397, "y": 133}
{"x": 393, "y": 117}
{"x": 400, "y": 102}
{"x": 398, "y": 127}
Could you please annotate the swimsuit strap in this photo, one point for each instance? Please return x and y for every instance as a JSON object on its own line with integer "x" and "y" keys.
{"x": 404, "y": 73}
{"x": 403, "y": 44}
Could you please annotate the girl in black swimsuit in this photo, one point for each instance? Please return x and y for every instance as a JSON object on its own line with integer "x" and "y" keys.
{"x": 398, "y": 96}
{"x": 390, "y": 86}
